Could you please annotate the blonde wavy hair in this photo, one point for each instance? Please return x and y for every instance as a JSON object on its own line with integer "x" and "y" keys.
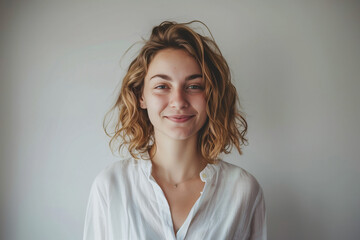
{"x": 225, "y": 126}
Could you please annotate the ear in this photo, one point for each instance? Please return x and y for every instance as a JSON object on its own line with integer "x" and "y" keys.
{"x": 142, "y": 102}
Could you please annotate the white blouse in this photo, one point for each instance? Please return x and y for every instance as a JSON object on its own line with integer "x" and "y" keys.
{"x": 126, "y": 203}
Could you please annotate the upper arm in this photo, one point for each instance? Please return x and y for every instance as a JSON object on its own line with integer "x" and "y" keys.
{"x": 95, "y": 226}
{"x": 258, "y": 229}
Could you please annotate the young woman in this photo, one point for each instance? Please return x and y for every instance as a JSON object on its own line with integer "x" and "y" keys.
{"x": 175, "y": 114}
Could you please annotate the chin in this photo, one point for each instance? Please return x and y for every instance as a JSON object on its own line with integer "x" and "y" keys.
{"x": 180, "y": 135}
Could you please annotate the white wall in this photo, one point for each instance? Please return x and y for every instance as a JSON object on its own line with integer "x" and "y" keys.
{"x": 296, "y": 66}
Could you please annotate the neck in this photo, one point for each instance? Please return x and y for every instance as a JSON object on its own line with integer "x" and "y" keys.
{"x": 176, "y": 160}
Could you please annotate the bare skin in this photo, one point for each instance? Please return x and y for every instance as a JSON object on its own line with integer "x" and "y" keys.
{"x": 181, "y": 199}
{"x": 189, "y": 185}
{"x": 173, "y": 96}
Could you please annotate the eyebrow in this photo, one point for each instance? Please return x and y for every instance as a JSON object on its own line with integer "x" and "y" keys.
{"x": 168, "y": 78}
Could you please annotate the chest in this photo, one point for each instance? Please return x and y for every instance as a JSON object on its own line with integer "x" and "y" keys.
{"x": 142, "y": 213}
{"x": 181, "y": 199}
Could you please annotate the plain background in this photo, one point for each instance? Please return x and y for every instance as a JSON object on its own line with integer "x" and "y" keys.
{"x": 296, "y": 66}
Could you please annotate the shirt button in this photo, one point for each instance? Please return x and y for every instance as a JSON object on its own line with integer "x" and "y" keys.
{"x": 204, "y": 175}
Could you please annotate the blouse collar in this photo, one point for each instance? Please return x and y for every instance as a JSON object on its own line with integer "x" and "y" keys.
{"x": 206, "y": 174}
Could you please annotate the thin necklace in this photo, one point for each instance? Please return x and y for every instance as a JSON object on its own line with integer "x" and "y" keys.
{"x": 175, "y": 185}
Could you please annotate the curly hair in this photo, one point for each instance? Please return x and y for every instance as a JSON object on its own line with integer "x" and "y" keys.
{"x": 225, "y": 126}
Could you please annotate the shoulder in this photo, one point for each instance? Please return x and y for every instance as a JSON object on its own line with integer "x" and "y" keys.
{"x": 238, "y": 179}
{"x": 115, "y": 173}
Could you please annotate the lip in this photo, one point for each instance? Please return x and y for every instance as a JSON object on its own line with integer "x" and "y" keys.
{"x": 180, "y": 118}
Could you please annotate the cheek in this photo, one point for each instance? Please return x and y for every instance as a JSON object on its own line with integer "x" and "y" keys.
{"x": 200, "y": 104}
{"x": 155, "y": 103}
{"x": 157, "y": 99}
{"x": 201, "y": 108}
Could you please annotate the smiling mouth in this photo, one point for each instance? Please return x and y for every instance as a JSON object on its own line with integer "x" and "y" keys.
{"x": 180, "y": 118}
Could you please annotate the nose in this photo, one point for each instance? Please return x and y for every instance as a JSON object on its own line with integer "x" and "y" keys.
{"x": 178, "y": 99}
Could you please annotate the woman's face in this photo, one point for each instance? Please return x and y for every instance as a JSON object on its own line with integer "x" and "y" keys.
{"x": 174, "y": 95}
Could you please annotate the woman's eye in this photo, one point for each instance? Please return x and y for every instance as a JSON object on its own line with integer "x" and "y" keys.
{"x": 195, "y": 87}
{"x": 161, "y": 87}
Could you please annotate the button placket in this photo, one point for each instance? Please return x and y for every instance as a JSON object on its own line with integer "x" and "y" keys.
{"x": 185, "y": 227}
{"x": 164, "y": 210}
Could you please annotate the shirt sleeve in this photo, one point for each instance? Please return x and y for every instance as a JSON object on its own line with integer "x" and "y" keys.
{"x": 96, "y": 215}
{"x": 258, "y": 222}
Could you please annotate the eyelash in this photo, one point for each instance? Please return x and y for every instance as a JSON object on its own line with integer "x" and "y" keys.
{"x": 160, "y": 87}
{"x": 197, "y": 87}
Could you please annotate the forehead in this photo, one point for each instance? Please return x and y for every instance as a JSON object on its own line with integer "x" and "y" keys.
{"x": 173, "y": 61}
